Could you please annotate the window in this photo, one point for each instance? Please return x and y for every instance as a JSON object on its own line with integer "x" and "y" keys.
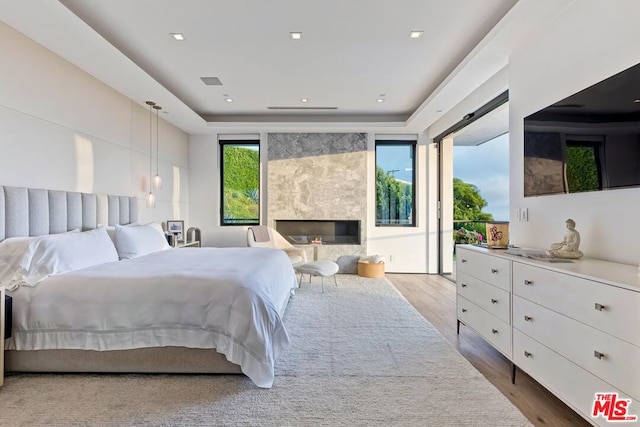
{"x": 240, "y": 178}
{"x": 395, "y": 183}
{"x": 583, "y": 171}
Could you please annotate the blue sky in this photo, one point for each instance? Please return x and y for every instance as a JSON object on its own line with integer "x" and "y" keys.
{"x": 487, "y": 167}
{"x": 395, "y": 158}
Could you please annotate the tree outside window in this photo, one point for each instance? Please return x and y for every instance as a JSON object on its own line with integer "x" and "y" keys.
{"x": 395, "y": 183}
{"x": 240, "y": 178}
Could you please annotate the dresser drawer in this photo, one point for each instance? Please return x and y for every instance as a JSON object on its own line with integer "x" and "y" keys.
{"x": 607, "y": 308}
{"x": 568, "y": 381}
{"x": 494, "y": 330}
{"x": 494, "y": 300}
{"x": 487, "y": 268}
{"x": 620, "y": 361}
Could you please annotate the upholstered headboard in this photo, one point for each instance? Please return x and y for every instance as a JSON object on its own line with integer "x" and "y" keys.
{"x": 28, "y": 212}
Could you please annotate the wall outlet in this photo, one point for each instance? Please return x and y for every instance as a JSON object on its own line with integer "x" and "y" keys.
{"x": 390, "y": 257}
{"x": 524, "y": 214}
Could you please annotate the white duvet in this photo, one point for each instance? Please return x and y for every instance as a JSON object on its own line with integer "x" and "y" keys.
{"x": 230, "y": 299}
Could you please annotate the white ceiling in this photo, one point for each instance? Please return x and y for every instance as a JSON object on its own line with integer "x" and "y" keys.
{"x": 351, "y": 52}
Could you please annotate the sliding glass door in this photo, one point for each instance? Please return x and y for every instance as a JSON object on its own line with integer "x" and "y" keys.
{"x": 474, "y": 178}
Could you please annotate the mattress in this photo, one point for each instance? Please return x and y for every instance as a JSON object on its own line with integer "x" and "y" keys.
{"x": 228, "y": 299}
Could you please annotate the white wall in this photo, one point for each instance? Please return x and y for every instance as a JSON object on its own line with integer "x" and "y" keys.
{"x": 204, "y": 170}
{"x": 404, "y": 248}
{"x": 590, "y": 41}
{"x": 60, "y": 128}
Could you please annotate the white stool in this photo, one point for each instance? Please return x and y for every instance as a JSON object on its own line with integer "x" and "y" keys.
{"x": 318, "y": 268}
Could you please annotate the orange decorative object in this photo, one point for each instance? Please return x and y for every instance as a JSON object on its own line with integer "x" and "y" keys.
{"x": 369, "y": 269}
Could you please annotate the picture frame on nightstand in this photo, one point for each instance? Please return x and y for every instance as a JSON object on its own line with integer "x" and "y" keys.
{"x": 176, "y": 228}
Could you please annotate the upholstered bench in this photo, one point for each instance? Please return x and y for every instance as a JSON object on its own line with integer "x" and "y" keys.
{"x": 318, "y": 268}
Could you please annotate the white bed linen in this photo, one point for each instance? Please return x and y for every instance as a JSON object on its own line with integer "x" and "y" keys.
{"x": 230, "y": 299}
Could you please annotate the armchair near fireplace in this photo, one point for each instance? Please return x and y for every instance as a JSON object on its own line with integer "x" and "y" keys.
{"x": 267, "y": 237}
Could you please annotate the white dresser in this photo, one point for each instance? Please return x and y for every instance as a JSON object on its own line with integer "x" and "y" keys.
{"x": 484, "y": 296}
{"x": 574, "y": 327}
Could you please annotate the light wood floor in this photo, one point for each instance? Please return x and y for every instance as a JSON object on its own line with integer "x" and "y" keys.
{"x": 435, "y": 298}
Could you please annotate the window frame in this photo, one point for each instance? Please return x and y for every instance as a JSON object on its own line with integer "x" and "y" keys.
{"x": 247, "y": 142}
{"x": 584, "y": 141}
{"x": 413, "y": 145}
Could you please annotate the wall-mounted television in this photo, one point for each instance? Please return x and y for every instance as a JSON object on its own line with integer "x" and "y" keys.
{"x": 588, "y": 141}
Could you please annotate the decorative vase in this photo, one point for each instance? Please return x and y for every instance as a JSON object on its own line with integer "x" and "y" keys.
{"x": 497, "y": 234}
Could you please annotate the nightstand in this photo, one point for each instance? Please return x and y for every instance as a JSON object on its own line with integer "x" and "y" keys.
{"x": 1, "y": 335}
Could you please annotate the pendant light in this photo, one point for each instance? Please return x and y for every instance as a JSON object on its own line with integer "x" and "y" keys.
{"x": 151, "y": 198}
{"x": 157, "y": 180}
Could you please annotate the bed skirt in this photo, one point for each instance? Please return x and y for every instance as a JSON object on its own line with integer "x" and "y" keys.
{"x": 161, "y": 360}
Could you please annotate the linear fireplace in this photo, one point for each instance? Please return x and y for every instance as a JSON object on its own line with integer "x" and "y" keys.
{"x": 332, "y": 232}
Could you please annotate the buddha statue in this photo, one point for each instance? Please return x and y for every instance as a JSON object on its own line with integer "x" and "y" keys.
{"x": 568, "y": 248}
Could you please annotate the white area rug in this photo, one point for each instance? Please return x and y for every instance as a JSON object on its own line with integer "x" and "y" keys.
{"x": 360, "y": 354}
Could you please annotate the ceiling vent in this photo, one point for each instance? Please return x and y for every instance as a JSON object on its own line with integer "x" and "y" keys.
{"x": 302, "y": 108}
{"x": 211, "y": 81}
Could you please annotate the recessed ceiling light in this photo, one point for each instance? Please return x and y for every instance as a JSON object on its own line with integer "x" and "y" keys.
{"x": 637, "y": 101}
{"x": 416, "y": 34}
{"x": 295, "y": 35}
{"x": 304, "y": 100}
{"x": 380, "y": 100}
{"x": 228, "y": 99}
{"x": 178, "y": 36}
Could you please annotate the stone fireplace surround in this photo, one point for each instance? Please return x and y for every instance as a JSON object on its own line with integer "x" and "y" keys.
{"x": 319, "y": 176}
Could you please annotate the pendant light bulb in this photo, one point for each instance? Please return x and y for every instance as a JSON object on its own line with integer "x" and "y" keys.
{"x": 157, "y": 182}
{"x": 151, "y": 200}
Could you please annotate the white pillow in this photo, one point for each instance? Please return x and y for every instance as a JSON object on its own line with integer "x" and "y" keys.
{"x": 12, "y": 251}
{"x": 12, "y": 255}
{"x": 61, "y": 253}
{"x": 111, "y": 230}
{"x": 132, "y": 242}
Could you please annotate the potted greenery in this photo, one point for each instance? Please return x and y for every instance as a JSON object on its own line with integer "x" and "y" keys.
{"x": 462, "y": 235}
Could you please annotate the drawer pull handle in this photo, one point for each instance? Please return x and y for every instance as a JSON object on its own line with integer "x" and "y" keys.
{"x": 463, "y": 260}
{"x": 598, "y": 355}
{"x": 494, "y": 271}
{"x": 527, "y": 354}
{"x": 464, "y": 285}
{"x": 494, "y": 301}
{"x": 600, "y": 307}
{"x": 528, "y": 282}
{"x": 528, "y": 318}
{"x": 464, "y": 310}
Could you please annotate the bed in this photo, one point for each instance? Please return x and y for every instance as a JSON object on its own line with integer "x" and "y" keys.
{"x": 190, "y": 310}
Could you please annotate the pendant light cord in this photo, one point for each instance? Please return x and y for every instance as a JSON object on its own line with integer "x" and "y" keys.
{"x": 150, "y": 148}
{"x": 150, "y": 104}
{"x": 157, "y": 108}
